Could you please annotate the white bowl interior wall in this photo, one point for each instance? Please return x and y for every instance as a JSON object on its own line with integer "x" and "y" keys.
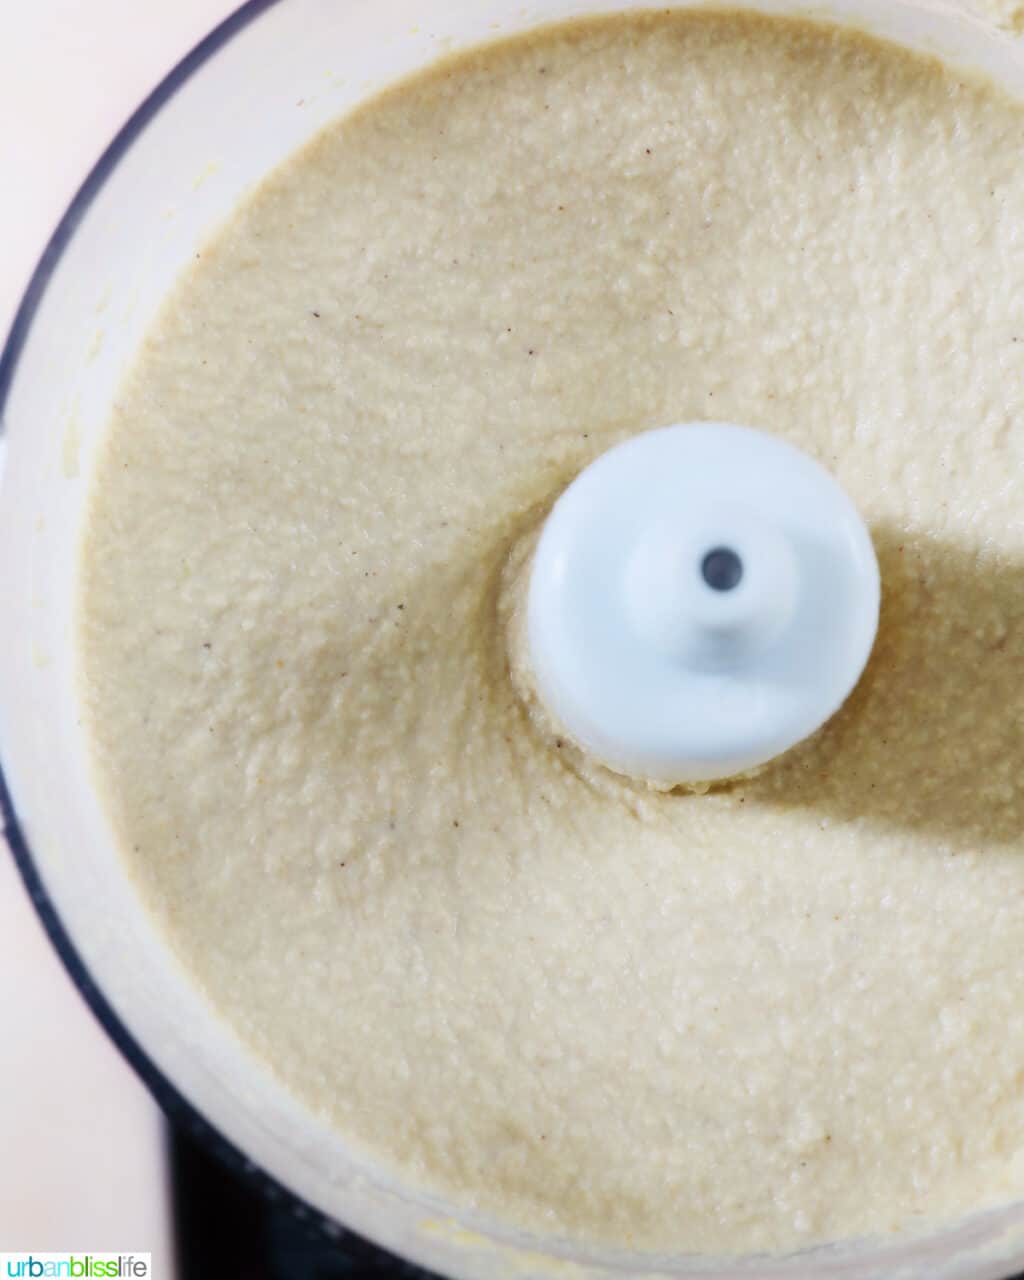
{"x": 284, "y": 70}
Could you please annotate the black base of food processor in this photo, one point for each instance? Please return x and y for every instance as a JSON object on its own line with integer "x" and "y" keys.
{"x": 225, "y": 1225}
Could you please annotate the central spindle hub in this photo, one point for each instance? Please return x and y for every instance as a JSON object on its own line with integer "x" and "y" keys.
{"x": 702, "y": 597}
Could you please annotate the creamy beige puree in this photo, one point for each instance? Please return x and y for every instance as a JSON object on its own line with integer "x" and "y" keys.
{"x": 786, "y": 1010}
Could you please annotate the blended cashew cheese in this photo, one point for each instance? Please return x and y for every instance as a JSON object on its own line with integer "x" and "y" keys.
{"x": 784, "y": 1011}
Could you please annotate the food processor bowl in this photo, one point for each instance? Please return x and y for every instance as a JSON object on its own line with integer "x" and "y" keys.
{"x": 258, "y": 87}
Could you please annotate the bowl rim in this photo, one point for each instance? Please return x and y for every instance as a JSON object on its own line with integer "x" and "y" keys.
{"x": 175, "y": 1105}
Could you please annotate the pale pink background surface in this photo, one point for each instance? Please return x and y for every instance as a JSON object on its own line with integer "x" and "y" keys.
{"x": 81, "y": 1144}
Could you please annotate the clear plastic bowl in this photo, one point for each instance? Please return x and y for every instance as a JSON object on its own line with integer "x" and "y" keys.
{"x": 257, "y": 88}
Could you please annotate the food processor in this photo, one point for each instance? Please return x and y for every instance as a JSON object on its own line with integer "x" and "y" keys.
{"x": 257, "y": 88}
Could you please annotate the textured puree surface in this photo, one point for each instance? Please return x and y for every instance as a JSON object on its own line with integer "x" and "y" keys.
{"x": 780, "y": 1012}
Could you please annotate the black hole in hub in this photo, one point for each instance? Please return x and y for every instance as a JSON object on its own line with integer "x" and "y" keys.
{"x": 721, "y": 569}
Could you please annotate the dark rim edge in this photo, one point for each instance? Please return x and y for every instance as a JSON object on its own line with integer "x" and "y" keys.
{"x": 171, "y": 1101}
